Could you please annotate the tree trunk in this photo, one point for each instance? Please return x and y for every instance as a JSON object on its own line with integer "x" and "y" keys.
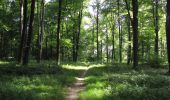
{"x": 155, "y": 15}
{"x": 113, "y": 41}
{"x": 23, "y": 34}
{"x": 129, "y": 21}
{"x": 97, "y": 30}
{"x": 21, "y": 16}
{"x": 168, "y": 31}
{"x": 107, "y": 43}
{"x": 58, "y": 30}
{"x": 119, "y": 29}
{"x": 30, "y": 33}
{"x": 40, "y": 38}
{"x": 135, "y": 33}
{"x": 129, "y": 57}
{"x": 74, "y": 45}
{"x": 93, "y": 40}
{"x": 78, "y": 34}
{"x": 101, "y": 51}
{"x": 46, "y": 47}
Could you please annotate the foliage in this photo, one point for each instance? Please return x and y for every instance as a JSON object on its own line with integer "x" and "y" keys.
{"x": 36, "y": 82}
{"x": 120, "y": 82}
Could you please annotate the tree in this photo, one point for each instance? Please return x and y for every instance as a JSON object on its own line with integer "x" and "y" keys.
{"x": 97, "y": 28}
{"x": 23, "y": 34}
{"x": 40, "y": 35}
{"x": 155, "y": 15}
{"x": 21, "y": 16}
{"x": 168, "y": 31}
{"x": 113, "y": 38}
{"x": 78, "y": 33}
{"x": 135, "y": 33}
{"x": 129, "y": 21}
{"x": 58, "y": 29}
{"x": 120, "y": 32}
{"x": 29, "y": 36}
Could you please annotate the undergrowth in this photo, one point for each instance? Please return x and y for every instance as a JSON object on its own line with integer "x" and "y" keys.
{"x": 122, "y": 83}
{"x": 44, "y": 81}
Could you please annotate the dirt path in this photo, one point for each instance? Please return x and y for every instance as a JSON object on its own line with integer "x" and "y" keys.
{"x": 77, "y": 87}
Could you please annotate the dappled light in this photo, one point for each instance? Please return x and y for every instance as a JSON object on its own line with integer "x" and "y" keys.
{"x": 84, "y": 49}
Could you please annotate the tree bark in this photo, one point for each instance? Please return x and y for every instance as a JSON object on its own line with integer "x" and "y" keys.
{"x": 107, "y": 44}
{"x": 97, "y": 30}
{"x": 40, "y": 38}
{"x": 23, "y": 34}
{"x": 135, "y": 33}
{"x": 21, "y": 16}
{"x": 119, "y": 29}
{"x": 78, "y": 34}
{"x": 129, "y": 53}
{"x": 30, "y": 33}
{"x": 58, "y": 30}
{"x": 155, "y": 15}
{"x": 113, "y": 39}
{"x": 168, "y": 31}
{"x": 101, "y": 50}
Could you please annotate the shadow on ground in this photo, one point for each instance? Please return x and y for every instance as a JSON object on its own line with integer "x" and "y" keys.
{"x": 110, "y": 82}
{"x": 36, "y": 81}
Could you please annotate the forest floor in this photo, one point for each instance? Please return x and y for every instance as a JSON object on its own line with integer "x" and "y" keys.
{"x": 82, "y": 81}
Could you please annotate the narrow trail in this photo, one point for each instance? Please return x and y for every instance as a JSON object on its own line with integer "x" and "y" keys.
{"x": 77, "y": 87}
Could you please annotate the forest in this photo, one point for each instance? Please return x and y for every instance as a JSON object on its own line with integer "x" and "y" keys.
{"x": 84, "y": 49}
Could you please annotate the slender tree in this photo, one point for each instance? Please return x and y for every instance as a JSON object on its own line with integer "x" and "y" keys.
{"x": 78, "y": 34}
{"x": 30, "y": 33}
{"x": 119, "y": 29}
{"x": 21, "y": 16}
{"x": 168, "y": 31}
{"x": 23, "y": 34}
{"x": 58, "y": 30}
{"x": 40, "y": 35}
{"x": 107, "y": 44}
{"x": 155, "y": 15}
{"x": 113, "y": 38}
{"x": 97, "y": 29}
{"x": 129, "y": 21}
{"x": 135, "y": 33}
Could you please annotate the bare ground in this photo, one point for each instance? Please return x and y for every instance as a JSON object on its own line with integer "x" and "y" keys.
{"x": 77, "y": 87}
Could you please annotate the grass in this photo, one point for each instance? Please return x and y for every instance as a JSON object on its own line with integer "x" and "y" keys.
{"x": 108, "y": 82}
{"x": 44, "y": 81}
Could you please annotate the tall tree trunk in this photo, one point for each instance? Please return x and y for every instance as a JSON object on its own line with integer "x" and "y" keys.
{"x": 129, "y": 21}
{"x": 30, "y": 33}
{"x": 23, "y": 35}
{"x": 119, "y": 27}
{"x": 129, "y": 54}
{"x": 101, "y": 50}
{"x": 62, "y": 45}
{"x": 107, "y": 45}
{"x": 46, "y": 47}
{"x": 168, "y": 31}
{"x": 155, "y": 15}
{"x": 74, "y": 45}
{"x": 21, "y": 16}
{"x": 97, "y": 29}
{"x": 40, "y": 38}
{"x": 156, "y": 32}
{"x": 135, "y": 33}
{"x": 148, "y": 49}
{"x": 93, "y": 40}
{"x": 113, "y": 41}
{"x": 78, "y": 34}
{"x": 58, "y": 30}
